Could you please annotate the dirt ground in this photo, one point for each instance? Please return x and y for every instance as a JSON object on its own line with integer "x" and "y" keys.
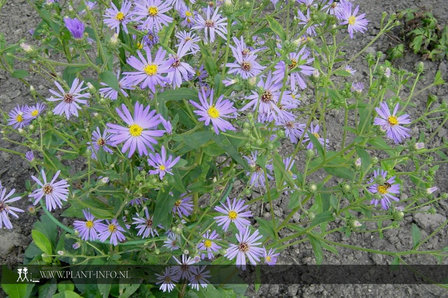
{"x": 17, "y": 18}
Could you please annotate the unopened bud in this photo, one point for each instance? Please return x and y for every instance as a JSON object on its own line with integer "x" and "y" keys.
{"x": 313, "y": 187}
{"x": 356, "y": 224}
{"x": 252, "y": 81}
{"x": 420, "y": 67}
{"x": 26, "y": 47}
{"x": 431, "y": 190}
{"x": 419, "y": 146}
{"x": 358, "y": 162}
{"x": 60, "y": 252}
{"x": 114, "y": 39}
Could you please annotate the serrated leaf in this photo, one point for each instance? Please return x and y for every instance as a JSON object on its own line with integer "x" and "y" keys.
{"x": 276, "y": 27}
{"x": 110, "y": 79}
{"x": 42, "y": 242}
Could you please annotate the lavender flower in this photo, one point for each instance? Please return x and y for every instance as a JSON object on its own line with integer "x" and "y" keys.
{"x": 115, "y": 17}
{"x": 294, "y": 131}
{"x": 180, "y": 71}
{"x": 166, "y": 125}
{"x": 100, "y": 141}
{"x": 356, "y": 23}
{"x": 184, "y": 271}
{"x": 151, "y": 14}
{"x": 187, "y": 16}
{"x": 6, "y": 209}
{"x": 183, "y": 207}
{"x": 245, "y": 65}
{"x": 151, "y": 38}
{"x": 247, "y": 247}
{"x": 149, "y": 72}
{"x": 111, "y": 93}
{"x": 207, "y": 245}
{"x": 386, "y": 191}
{"x": 198, "y": 277}
{"x": 138, "y": 134}
{"x": 270, "y": 257}
{"x": 357, "y": 87}
{"x": 145, "y": 225}
{"x": 304, "y": 20}
{"x": 172, "y": 241}
{"x": 391, "y": 123}
{"x": 256, "y": 176}
{"x": 75, "y": 26}
{"x": 161, "y": 163}
{"x": 137, "y": 201}
{"x": 54, "y": 192}
{"x": 167, "y": 280}
{"x": 69, "y": 100}
{"x": 314, "y": 130}
{"x": 88, "y": 230}
{"x": 29, "y": 155}
{"x": 17, "y": 117}
{"x": 34, "y": 111}
{"x": 212, "y": 25}
{"x": 111, "y": 229}
{"x": 184, "y": 37}
{"x": 296, "y": 69}
{"x": 215, "y": 113}
{"x": 233, "y": 213}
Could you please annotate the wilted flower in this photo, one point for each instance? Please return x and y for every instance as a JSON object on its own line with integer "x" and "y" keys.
{"x": 29, "y": 155}
{"x": 431, "y": 190}
{"x": 198, "y": 277}
{"x": 167, "y": 279}
{"x": 184, "y": 271}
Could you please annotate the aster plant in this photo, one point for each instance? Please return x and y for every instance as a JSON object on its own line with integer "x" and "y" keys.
{"x": 188, "y": 133}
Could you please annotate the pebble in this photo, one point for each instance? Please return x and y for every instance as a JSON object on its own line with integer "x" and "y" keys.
{"x": 9, "y": 239}
{"x": 429, "y": 221}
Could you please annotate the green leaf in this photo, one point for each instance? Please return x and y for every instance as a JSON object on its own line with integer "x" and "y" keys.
{"x": 316, "y": 145}
{"x": 438, "y": 80}
{"x": 276, "y": 27}
{"x": 379, "y": 143}
{"x": 266, "y": 228}
{"x": 416, "y": 235}
{"x": 178, "y": 94}
{"x": 281, "y": 173}
{"x": 224, "y": 142}
{"x": 128, "y": 289}
{"x": 104, "y": 290}
{"x": 110, "y": 79}
{"x": 365, "y": 158}
{"x": 325, "y": 216}
{"x": 20, "y": 74}
{"x": 162, "y": 211}
{"x": 65, "y": 286}
{"x": 67, "y": 294}
{"x": 342, "y": 73}
{"x": 42, "y": 241}
{"x": 15, "y": 290}
{"x": 166, "y": 32}
{"x": 340, "y": 171}
{"x": 317, "y": 249}
{"x": 70, "y": 73}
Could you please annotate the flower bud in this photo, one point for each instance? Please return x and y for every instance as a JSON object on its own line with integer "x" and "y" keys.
{"x": 26, "y": 47}
{"x": 420, "y": 67}
{"x": 356, "y": 224}
{"x": 431, "y": 190}
{"x": 375, "y": 160}
{"x": 246, "y": 131}
{"x": 346, "y": 187}
{"x": 91, "y": 87}
{"x": 310, "y": 153}
{"x": 60, "y": 252}
{"x": 114, "y": 39}
{"x": 313, "y": 187}
{"x": 358, "y": 162}
{"x": 157, "y": 251}
{"x": 252, "y": 81}
{"x": 419, "y": 146}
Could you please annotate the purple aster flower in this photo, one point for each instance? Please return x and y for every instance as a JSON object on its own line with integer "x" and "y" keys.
{"x": 145, "y": 225}
{"x": 349, "y": 69}
{"x": 161, "y": 164}
{"x": 115, "y": 17}
{"x": 356, "y": 23}
{"x": 88, "y": 230}
{"x": 210, "y": 112}
{"x": 357, "y": 87}
{"x": 243, "y": 48}
{"x": 111, "y": 93}
{"x": 184, "y": 37}
{"x": 180, "y": 71}
{"x": 391, "y": 123}
{"x": 151, "y": 39}
{"x": 137, "y": 201}
{"x": 256, "y": 176}
{"x": 430, "y": 190}
{"x": 304, "y": 20}
{"x": 17, "y": 117}
{"x": 149, "y": 72}
{"x": 385, "y": 190}
{"x": 178, "y": 4}
{"x": 294, "y": 131}
{"x": 201, "y": 74}
{"x": 308, "y": 3}
{"x": 6, "y": 209}
{"x": 29, "y": 155}
{"x": 247, "y": 247}
{"x": 151, "y": 14}
{"x": 198, "y": 279}
{"x": 172, "y": 241}
{"x": 184, "y": 271}
{"x": 183, "y": 206}
{"x": 296, "y": 69}
{"x": 245, "y": 65}
{"x": 166, "y": 125}
{"x": 167, "y": 279}
{"x": 187, "y": 17}
{"x": 111, "y": 229}
{"x": 75, "y": 26}
{"x": 233, "y": 212}
{"x": 54, "y": 192}
{"x": 138, "y": 134}
{"x": 32, "y": 112}
{"x": 208, "y": 245}
{"x": 212, "y": 25}
{"x": 70, "y": 101}
{"x": 270, "y": 257}
{"x": 314, "y": 130}
{"x": 100, "y": 141}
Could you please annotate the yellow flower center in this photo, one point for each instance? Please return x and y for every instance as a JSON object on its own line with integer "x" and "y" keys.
{"x": 392, "y": 120}
{"x": 135, "y": 130}
{"x": 188, "y": 14}
{"x": 208, "y": 243}
{"x": 293, "y": 64}
{"x": 139, "y": 45}
{"x": 89, "y": 224}
{"x": 178, "y": 202}
{"x": 19, "y": 118}
{"x": 351, "y": 20}
{"x": 268, "y": 258}
{"x": 112, "y": 228}
{"x": 48, "y": 189}
{"x": 382, "y": 189}
{"x": 119, "y": 16}
{"x": 35, "y": 113}
{"x": 316, "y": 135}
{"x": 232, "y": 215}
{"x": 162, "y": 168}
{"x": 101, "y": 142}
{"x": 213, "y": 112}
{"x": 150, "y": 69}
{"x": 153, "y": 11}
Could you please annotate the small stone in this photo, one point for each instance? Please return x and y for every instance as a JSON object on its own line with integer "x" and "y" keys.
{"x": 8, "y": 240}
{"x": 429, "y": 221}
